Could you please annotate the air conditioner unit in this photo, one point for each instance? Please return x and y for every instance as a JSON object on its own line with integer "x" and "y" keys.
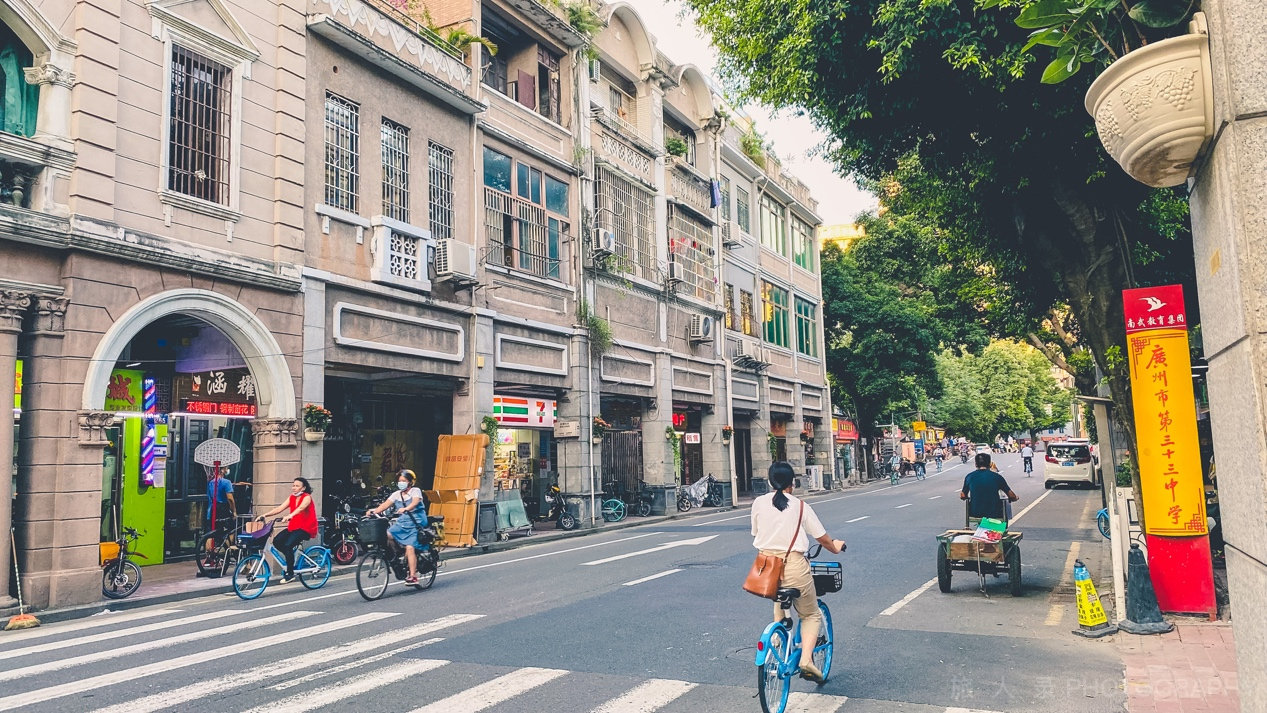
{"x": 743, "y": 351}
{"x": 455, "y": 261}
{"x": 604, "y": 242}
{"x": 596, "y": 67}
{"x": 729, "y": 236}
{"x": 677, "y": 273}
{"x": 701, "y": 328}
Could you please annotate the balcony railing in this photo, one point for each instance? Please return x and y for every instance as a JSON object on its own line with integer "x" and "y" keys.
{"x": 27, "y": 164}
{"x": 403, "y": 254}
{"x": 690, "y": 189}
{"x": 518, "y": 235}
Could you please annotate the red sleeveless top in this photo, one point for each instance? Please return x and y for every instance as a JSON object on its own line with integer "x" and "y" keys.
{"x": 306, "y": 520}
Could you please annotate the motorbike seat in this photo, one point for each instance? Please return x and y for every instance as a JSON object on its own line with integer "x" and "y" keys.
{"x": 435, "y": 519}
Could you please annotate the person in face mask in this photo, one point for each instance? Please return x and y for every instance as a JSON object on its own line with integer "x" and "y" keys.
{"x": 406, "y": 503}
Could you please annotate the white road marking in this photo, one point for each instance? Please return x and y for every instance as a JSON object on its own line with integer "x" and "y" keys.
{"x": 487, "y": 695}
{"x": 725, "y": 519}
{"x": 908, "y": 598}
{"x": 934, "y": 497}
{"x": 647, "y": 696}
{"x": 666, "y": 546}
{"x": 857, "y": 519}
{"x": 120, "y": 653}
{"x": 546, "y": 554}
{"x": 292, "y": 682}
{"x": 256, "y": 674}
{"x": 107, "y": 635}
{"x": 1029, "y": 507}
{"x": 814, "y": 703}
{"x": 105, "y": 618}
{"x": 132, "y": 673}
{"x": 899, "y": 507}
{"x": 1057, "y": 611}
{"x": 654, "y": 576}
{"x": 967, "y": 710}
{"x": 328, "y": 695}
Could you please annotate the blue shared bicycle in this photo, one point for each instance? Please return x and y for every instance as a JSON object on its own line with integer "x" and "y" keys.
{"x": 251, "y": 578}
{"x": 779, "y": 650}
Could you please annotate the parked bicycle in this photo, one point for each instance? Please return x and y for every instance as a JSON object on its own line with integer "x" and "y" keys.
{"x": 613, "y": 505}
{"x": 778, "y": 656}
{"x": 222, "y": 555}
{"x": 643, "y": 499}
{"x": 383, "y": 558}
{"x": 253, "y": 573}
{"x": 120, "y": 577}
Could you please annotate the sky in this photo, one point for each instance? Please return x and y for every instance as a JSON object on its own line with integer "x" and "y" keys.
{"x": 794, "y": 137}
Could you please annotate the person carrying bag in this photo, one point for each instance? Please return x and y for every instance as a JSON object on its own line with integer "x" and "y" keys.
{"x": 781, "y": 536}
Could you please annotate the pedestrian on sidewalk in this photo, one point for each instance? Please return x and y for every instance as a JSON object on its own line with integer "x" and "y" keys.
{"x": 774, "y": 525}
{"x": 300, "y": 520}
{"x": 221, "y": 507}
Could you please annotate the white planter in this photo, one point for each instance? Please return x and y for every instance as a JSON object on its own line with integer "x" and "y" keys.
{"x": 1154, "y": 107}
{"x": 312, "y": 435}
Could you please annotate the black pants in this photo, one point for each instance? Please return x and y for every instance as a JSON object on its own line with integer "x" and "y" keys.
{"x": 287, "y": 541}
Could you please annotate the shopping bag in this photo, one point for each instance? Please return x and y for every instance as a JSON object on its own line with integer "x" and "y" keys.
{"x": 990, "y": 530}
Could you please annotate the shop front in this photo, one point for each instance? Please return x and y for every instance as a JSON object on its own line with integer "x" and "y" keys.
{"x": 845, "y": 439}
{"x": 622, "y": 457}
{"x": 525, "y": 453}
{"x": 688, "y": 424}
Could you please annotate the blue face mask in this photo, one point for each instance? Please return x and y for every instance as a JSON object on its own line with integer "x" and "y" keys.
{"x": 402, "y": 485}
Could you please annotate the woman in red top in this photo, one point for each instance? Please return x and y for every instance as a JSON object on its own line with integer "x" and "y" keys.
{"x": 301, "y": 522}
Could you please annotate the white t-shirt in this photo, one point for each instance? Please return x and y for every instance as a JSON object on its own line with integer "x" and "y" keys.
{"x": 401, "y": 498}
{"x": 1027, "y": 452}
{"x": 772, "y": 529}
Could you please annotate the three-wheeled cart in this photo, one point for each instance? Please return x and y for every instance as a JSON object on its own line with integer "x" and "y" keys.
{"x": 956, "y": 550}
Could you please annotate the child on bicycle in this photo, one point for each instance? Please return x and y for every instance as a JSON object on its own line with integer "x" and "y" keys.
{"x": 301, "y": 522}
{"x": 407, "y": 503}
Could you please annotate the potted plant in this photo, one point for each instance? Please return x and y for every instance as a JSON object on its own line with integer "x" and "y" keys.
{"x": 316, "y": 421}
{"x": 727, "y": 432}
{"x": 772, "y": 443}
{"x": 1154, "y": 103}
{"x": 598, "y": 429}
{"x": 806, "y": 436}
{"x": 675, "y": 146}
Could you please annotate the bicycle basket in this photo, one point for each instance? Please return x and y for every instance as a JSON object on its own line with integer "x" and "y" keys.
{"x": 828, "y": 577}
{"x": 372, "y": 531}
{"x": 254, "y": 541}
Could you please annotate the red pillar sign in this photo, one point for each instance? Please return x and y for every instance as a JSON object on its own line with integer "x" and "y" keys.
{"x": 1168, "y": 454}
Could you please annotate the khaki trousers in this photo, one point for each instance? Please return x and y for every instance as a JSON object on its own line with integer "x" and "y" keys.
{"x": 796, "y": 574}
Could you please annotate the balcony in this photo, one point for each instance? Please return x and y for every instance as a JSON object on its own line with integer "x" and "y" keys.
{"x": 690, "y": 188}
{"x": 403, "y": 254}
{"x": 28, "y": 170}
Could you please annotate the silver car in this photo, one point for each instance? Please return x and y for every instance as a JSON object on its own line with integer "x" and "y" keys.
{"x": 1068, "y": 462}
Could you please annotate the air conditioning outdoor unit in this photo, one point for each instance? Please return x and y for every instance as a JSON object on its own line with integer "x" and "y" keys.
{"x": 743, "y": 351}
{"x": 455, "y": 261}
{"x": 701, "y": 328}
{"x": 596, "y": 67}
{"x": 604, "y": 242}
{"x": 677, "y": 273}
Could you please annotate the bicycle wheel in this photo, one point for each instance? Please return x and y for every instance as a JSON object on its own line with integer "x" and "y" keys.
{"x": 372, "y": 575}
{"x": 250, "y": 579}
{"x": 1102, "y": 522}
{"x": 209, "y": 563}
{"x": 642, "y": 509}
{"x": 314, "y": 570}
{"x": 119, "y": 579}
{"x": 428, "y": 563}
{"x": 345, "y": 552}
{"x": 773, "y": 685}
{"x": 825, "y": 645}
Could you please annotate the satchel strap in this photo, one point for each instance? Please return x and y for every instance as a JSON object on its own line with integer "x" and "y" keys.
{"x": 799, "y": 515}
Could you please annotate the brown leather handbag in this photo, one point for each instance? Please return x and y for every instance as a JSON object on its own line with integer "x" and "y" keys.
{"x": 763, "y": 579}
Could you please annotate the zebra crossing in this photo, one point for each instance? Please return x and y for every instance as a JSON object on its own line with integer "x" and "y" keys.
{"x": 171, "y": 660}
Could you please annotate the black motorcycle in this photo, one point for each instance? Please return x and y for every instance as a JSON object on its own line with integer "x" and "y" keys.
{"x": 559, "y": 512}
{"x": 340, "y": 536}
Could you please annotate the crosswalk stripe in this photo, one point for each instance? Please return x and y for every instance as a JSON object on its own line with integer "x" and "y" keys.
{"x": 326, "y": 695}
{"x": 105, "y": 618}
{"x": 107, "y": 635}
{"x": 358, "y": 663}
{"x": 487, "y": 695}
{"x": 814, "y": 703}
{"x": 132, "y": 673}
{"x": 647, "y": 697}
{"x": 202, "y": 689}
{"x": 73, "y": 661}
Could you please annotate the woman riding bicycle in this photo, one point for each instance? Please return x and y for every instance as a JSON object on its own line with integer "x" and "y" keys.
{"x": 301, "y": 522}
{"x": 774, "y": 525}
{"x": 407, "y": 503}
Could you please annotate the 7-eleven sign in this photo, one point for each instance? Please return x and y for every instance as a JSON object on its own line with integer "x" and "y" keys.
{"x": 525, "y": 412}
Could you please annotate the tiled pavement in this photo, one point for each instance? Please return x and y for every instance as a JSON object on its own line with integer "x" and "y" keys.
{"x": 1189, "y": 670}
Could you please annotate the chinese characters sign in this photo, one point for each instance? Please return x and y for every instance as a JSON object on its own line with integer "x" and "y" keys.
{"x": 1165, "y": 415}
{"x": 197, "y": 393}
{"x": 123, "y": 392}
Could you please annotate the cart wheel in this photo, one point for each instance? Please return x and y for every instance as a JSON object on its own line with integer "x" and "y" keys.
{"x": 943, "y": 567}
{"x": 1014, "y": 571}
{"x": 503, "y": 536}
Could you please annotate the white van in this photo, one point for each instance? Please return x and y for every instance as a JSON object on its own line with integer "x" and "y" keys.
{"x": 1068, "y": 462}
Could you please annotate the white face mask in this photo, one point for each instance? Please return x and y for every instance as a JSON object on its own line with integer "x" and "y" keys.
{"x": 402, "y": 485}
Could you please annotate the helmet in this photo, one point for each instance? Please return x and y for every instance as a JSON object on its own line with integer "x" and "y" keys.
{"x": 409, "y": 475}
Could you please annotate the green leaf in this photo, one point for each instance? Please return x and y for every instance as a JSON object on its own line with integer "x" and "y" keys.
{"x": 1060, "y": 69}
{"x": 1160, "y": 13}
{"x": 1044, "y": 13}
{"x": 1051, "y": 37}
{"x": 1072, "y": 32}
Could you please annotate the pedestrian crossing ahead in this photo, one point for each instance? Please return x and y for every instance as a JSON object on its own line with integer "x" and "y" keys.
{"x": 307, "y": 660}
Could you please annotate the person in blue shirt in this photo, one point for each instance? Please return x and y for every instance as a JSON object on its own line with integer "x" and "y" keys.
{"x": 221, "y": 507}
{"x": 981, "y": 489}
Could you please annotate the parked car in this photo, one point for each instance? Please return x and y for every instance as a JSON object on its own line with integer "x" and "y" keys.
{"x": 1068, "y": 462}
{"x": 984, "y": 448}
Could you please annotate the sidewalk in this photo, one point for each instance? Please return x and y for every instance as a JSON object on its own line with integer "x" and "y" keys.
{"x": 1189, "y": 670}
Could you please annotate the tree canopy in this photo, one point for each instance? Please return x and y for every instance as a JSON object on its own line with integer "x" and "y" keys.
{"x": 1008, "y": 388}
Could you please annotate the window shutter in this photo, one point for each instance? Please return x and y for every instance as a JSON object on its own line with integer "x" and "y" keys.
{"x": 527, "y": 90}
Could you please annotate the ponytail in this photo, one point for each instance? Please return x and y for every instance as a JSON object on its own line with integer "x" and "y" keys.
{"x": 781, "y": 476}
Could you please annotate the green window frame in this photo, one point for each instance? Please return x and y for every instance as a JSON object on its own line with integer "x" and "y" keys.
{"x": 773, "y": 225}
{"x": 19, "y": 101}
{"x": 803, "y": 244}
{"x": 774, "y": 314}
{"x": 806, "y": 327}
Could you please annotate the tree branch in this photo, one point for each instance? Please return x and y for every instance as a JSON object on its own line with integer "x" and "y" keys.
{"x": 1056, "y": 358}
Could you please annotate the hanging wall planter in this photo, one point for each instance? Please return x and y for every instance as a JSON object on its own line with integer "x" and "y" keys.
{"x": 312, "y": 435}
{"x": 1154, "y": 107}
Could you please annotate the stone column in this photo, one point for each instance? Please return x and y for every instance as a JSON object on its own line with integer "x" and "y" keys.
{"x": 276, "y": 460}
{"x": 795, "y": 448}
{"x": 576, "y": 468}
{"x": 1228, "y": 197}
{"x": 52, "y": 125}
{"x": 657, "y": 452}
{"x": 760, "y": 431}
{"x": 312, "y": 455}
{"x": 13, "y": 305}
{"x": 475, "y": 400}
{"x": 717, "y": 459}
{"x": 59, "y": 476}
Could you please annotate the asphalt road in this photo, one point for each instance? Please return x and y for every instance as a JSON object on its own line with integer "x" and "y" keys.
{"x": 646, "y": 619}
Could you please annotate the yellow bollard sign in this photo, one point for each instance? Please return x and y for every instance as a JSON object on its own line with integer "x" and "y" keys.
{"x": 1092, "y": 621}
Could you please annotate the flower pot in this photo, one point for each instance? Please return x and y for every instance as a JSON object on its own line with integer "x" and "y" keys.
{"x": 1154, "y": 107}
{"x": 312, "y": 435}
{"x": 596, "y": 440}
{"x": 725, "y": 440}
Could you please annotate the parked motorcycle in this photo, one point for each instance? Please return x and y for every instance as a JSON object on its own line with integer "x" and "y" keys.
{"x": 340, "y": 535}
{"x": 558, "y": 502}
{"x": 694, "y": 494}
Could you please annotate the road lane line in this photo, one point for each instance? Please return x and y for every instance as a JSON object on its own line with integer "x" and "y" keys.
{"x": 546, "y": 554}
{"x": 814, "y": 703}
{"x": 967, "y": 710}
{"x": 934, "y": 497}
{"x": 649, "y": 550}
{"x": 726, "y": 519}
{"x": 1054, "y": 615}
{"x": 327, "y": 695}
{"x": 1029, "y": 507}
{"x": 899, "y": 507}
{"x": 105, "y": 618}
{"x": 132, "y": 673}
{"x": 118, "y": 653}
{"x": 857, "y": 519}
{"x": 107, "y": 635}
{"x": 1057, "y": 610}
{"x": 908, "y": 598}
{"x": 292, "y": 682}
{"x": 253, "y": 675}
{"x": 487, "y": 695}
{"x": 654, "y": 576}
{"x": 647, "y": 696}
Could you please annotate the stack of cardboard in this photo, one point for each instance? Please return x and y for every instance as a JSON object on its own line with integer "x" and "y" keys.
{"x": 459, "y": 465}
